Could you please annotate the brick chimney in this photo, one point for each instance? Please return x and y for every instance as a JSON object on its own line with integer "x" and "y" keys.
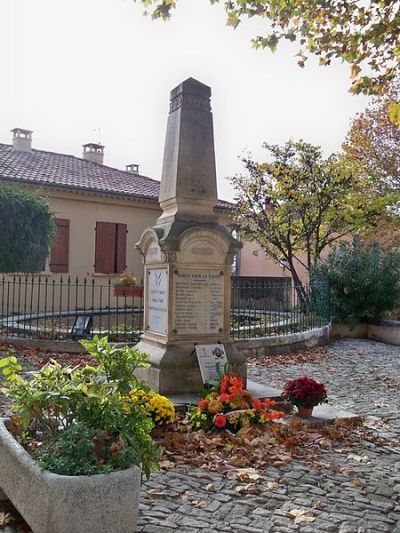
{"x": 22, "y": 139}
{"x": 93, "y": 152}
{"x": 133, "y": 168}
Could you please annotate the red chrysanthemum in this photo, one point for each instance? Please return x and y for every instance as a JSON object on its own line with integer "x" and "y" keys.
{"x": 202, "y": 404}
{"x": 220, "y": 421}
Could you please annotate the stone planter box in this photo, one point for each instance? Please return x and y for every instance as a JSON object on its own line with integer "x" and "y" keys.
{"x": 126, "y": 292}
{"x": 67, "y": 504}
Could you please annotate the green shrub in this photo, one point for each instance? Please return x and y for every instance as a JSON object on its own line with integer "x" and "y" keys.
{"x": 86, "y": 423}
{"x": 365, "y": 281}
{"x": 118, "y": 362}
{"x": 27, "y": 230}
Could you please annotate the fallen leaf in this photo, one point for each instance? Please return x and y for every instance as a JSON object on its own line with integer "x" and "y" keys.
{"x": 247, "y": 473}
{"x": 156, "y": 494}
{"x": 358, "y": 458}
{"x": 301, "y": 515}
{"x": 167, "y": 465}
{"x": 358, "y": 482}
{"x": 250, "y": 488}
{"x": 6, "y": 518}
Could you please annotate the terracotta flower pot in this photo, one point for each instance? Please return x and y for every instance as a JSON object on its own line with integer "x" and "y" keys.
{"x": 304, "y": 412}
{"x": 126, "y": 291}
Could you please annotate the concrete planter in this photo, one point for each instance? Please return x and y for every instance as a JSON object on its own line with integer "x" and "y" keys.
{"x": 67, "y": 504}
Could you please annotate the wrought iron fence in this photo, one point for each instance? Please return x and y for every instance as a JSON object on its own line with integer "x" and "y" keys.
{"x": 264, "y": 307}
{"x": 37, "y": 307}
{"x": 47, "y": 309}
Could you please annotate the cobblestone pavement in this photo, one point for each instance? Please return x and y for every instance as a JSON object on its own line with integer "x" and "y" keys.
{"x": 352, "y": 491}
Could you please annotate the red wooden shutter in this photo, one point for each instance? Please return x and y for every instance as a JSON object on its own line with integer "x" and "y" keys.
{"x": 121, "y": 248}
{"x": 105, "y": 247}
{"x": 60, "y": 250}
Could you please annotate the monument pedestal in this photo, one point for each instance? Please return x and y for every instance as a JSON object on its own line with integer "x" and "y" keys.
{"x": 187, "y": 302}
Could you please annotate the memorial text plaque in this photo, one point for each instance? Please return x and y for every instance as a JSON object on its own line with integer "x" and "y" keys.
{"x": 199, "y": 301}
{"x": 157, "y": 296}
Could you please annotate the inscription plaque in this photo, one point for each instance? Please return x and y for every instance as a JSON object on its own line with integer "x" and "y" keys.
{"x": 199, "y": 301}
{"x": 157, "y": 304}
{"x": 211, "y": 357}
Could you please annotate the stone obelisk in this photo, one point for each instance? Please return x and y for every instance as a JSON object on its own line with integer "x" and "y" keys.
{"x": 187, "y": 253}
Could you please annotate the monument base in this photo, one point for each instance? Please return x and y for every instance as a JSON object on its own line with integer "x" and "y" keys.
{"x": 174, "y": 367}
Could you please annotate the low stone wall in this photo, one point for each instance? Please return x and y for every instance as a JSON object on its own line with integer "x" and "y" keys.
{"x": 340, "y": 331}
{"x": 283, "y": 343}
{"x": 387, "y": 331}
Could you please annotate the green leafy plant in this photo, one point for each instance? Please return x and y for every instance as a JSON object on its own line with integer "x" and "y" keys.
{"x": 118, "y": 362}
{"x": 365, "y": 281}
{"x": 27, "y": 230}
{"x": 80, "y": 416}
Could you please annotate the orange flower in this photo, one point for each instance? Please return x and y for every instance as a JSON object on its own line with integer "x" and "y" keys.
{"x": 267, "y": 403}
{"x": 224, "y": 383}
{"x": 224, "y": 397}
{"x": 273, "y": 415}
{"x": 257, "y": 404}
{"x": 202, "y": 404}
{"x": 219, "y": 421}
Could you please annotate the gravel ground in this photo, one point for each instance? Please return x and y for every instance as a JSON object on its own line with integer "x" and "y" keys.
{"x": 353, "y": 490}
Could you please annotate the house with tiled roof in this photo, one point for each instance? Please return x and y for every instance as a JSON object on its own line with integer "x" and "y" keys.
{"x": 100, "y": 211}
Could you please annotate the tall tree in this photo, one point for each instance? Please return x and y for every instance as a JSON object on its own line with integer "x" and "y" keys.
{"x": 374, "y": 139}
{"x": 364, "y": 34}
{"x": 297, "y": 204}
{"x": 26, "y": 230}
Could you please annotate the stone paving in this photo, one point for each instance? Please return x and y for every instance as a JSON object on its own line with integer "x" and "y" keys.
{"x": 353, "y": 490}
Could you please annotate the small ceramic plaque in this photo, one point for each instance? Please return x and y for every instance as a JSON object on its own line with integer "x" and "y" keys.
{"x": 209, "y": 356}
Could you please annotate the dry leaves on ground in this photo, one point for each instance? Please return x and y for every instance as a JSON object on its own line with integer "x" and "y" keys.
{"x": 253, "y": 448}
{"x": 37, "y": 358}
{"x": 313, "y": 355}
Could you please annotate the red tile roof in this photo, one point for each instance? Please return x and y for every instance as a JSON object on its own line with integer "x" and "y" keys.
{"x": 69, "y": 172}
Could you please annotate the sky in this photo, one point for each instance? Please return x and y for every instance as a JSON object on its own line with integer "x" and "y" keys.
{"x": 79, "y": 71}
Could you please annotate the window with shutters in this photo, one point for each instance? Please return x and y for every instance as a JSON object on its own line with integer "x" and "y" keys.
{"x": 110, "y": 254}
{"x": 59, "y": 255}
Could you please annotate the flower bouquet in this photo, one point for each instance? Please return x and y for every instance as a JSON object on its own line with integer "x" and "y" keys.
{"x": 230, "y": 406}
{"x": 305, "y": 393}
{"x": 126, "y": 285}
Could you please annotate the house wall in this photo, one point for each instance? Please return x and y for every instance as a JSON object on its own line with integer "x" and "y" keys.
{"x": 258, "y": 264}
{"x": 83, "y": 213}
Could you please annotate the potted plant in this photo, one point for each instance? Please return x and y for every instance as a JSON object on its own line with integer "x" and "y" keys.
{"x": 305, "y": 393}
{"x": 126, "y": 286}
{"x": 229, "y": 406}
{"x": 72, "y": 454}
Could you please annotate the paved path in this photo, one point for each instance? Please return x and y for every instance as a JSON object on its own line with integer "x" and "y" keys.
{"x": 352, "y": 491}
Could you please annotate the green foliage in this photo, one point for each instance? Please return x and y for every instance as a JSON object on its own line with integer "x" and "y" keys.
{"x": 363, "y": 34}
{"x": 27, "y": 229}
{"x": 365, "y": 281}
{"x": 118, "y": 362}
{"x": 77, "y": 451}
{"x": 374, "y": 138}
{"x": 77, "y": 405}
{"x": 296, "y": 204}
